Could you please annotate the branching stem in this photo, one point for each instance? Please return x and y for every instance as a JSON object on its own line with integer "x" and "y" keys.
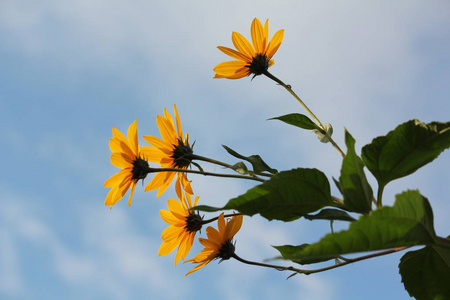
{"x": 289, "y": 89}
{"x": 308, "y": 272}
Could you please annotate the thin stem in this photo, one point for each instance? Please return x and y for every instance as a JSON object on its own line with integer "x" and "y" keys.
{"x": 153, "y": 170}
{"x": 337, "y": 200}
{"x": 216, "y": 218}
{"x": 352, "y": 260}
{"x": 308, "y": 272}
{"x": 279, "y": 268}
{"x": 289, "y": 89}
{"x": 216, "y": 162}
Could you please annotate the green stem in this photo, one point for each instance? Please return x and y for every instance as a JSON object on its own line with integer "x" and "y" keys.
{"x": 216, "y": 162}
{"x": 216, "y": 218}
{"x": 154, "y": 170}
{"x": 308, "y": 272}
{"x": 289, "y": 89}
{"x": 380, "y": 196}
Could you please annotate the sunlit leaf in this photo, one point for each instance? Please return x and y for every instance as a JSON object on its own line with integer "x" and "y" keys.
{"x": 297, "y": 120}
{"x": 409, "y": 222}
{"x": 405, "y": 149}
{"x": 287, "y": 196}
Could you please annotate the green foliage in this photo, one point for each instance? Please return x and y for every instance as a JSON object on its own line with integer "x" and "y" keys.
{"x": 298, "y": 120}
{"x": 259, "y": 165}
{"x": 426, "y": 272}
{"x": 405, "y": 149}
{"x": 409, "y": 222}
{"x": 287, "y": 196}
{"x": 290, "y": 252}
{"x": 353, "y": 184}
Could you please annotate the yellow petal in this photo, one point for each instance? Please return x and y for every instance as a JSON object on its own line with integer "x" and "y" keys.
{"x": 168, "y": 217}
{"x": 133, "y": 186}
{"x": 221, "y": 223}
{"x": 233, "y": 227}
{"x": 177, "y": 119}
{"x": 176, "y": 208}
{"x": 167, "y": 247}
{"x": 168, "y": 117}
{"x": 133, "y": 138}
{"x": 119, "y": 191}
{"x": 257, "y": 33}
{"x": 211, "y": 244}
{"x": 242, "y": 44}
{"x": 119, "y": 135}
{"x": 198, "y": 267}
{"x": 157, "y": 181}
{"x": 274, "y": 43}
{"x": 117, "y": 178}
{"x": 235, "y": 54}
{"x": 184, "y": 247}
{"x": 121, "y": 160}
{"x": 266, "y": 35}
{"x": 166, "y": 184}
{"x": 114, "y": 145}
{"x": 171, "y": 233}
{"x": 152, "y": 154}
{"x": 167, "y": 130}
{"x": 213, "y": 235}
{"x": 231, "y": 68}
{"x": 239, "y": 74}
{"x": 160, "y": 144}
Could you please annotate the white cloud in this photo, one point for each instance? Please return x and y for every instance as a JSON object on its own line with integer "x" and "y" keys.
{"x": 114, "y": 256}
{"x": 11, "y": 281}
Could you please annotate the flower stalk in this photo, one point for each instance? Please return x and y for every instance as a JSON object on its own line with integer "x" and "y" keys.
{"x": 155, "y": 170}
{"x": 289, "y": 89}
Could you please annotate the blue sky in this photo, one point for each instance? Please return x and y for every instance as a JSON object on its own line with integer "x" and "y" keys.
{"x": 70, "y": 70}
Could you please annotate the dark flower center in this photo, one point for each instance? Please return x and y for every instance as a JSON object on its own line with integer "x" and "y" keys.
{"x": 140, "y": 169}
{"x": 193, "y": 222}
{"x": 259, "y": 65}
{"x": 226, "y": 251}
{"x": 182, "y": 155}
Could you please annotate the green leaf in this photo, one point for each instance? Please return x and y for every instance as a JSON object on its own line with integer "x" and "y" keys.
{"x": 289, "y": 252}
{"x": 240, "y": 167}
{"x": 409, "y": 222}
{"x": 357, "y": 192}
{"x": 331, "y": 214}
{"x": 257, "y": 162}
{"x": 426, "y": 272}
{"x": 287, "y": 196}
{"x": 405, "y": 149}
{"x": 298, "y": 120}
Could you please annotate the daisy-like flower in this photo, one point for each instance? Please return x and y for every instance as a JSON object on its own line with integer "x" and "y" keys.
{"x": 172, "y": 151}
{"x": 250, "y": 59}
{"x": 126, "y": 155}
{"x": 219, "y": 243}
{"x": 184, "y": 224}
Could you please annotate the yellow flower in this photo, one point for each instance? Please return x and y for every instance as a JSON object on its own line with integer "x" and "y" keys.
{"x": 172, "y": 151}
{"x": 218, "y": 244}
{"x": 126, "y": 155}
{"x": 254, "y": 59}
{"x": 184, "y": 224}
